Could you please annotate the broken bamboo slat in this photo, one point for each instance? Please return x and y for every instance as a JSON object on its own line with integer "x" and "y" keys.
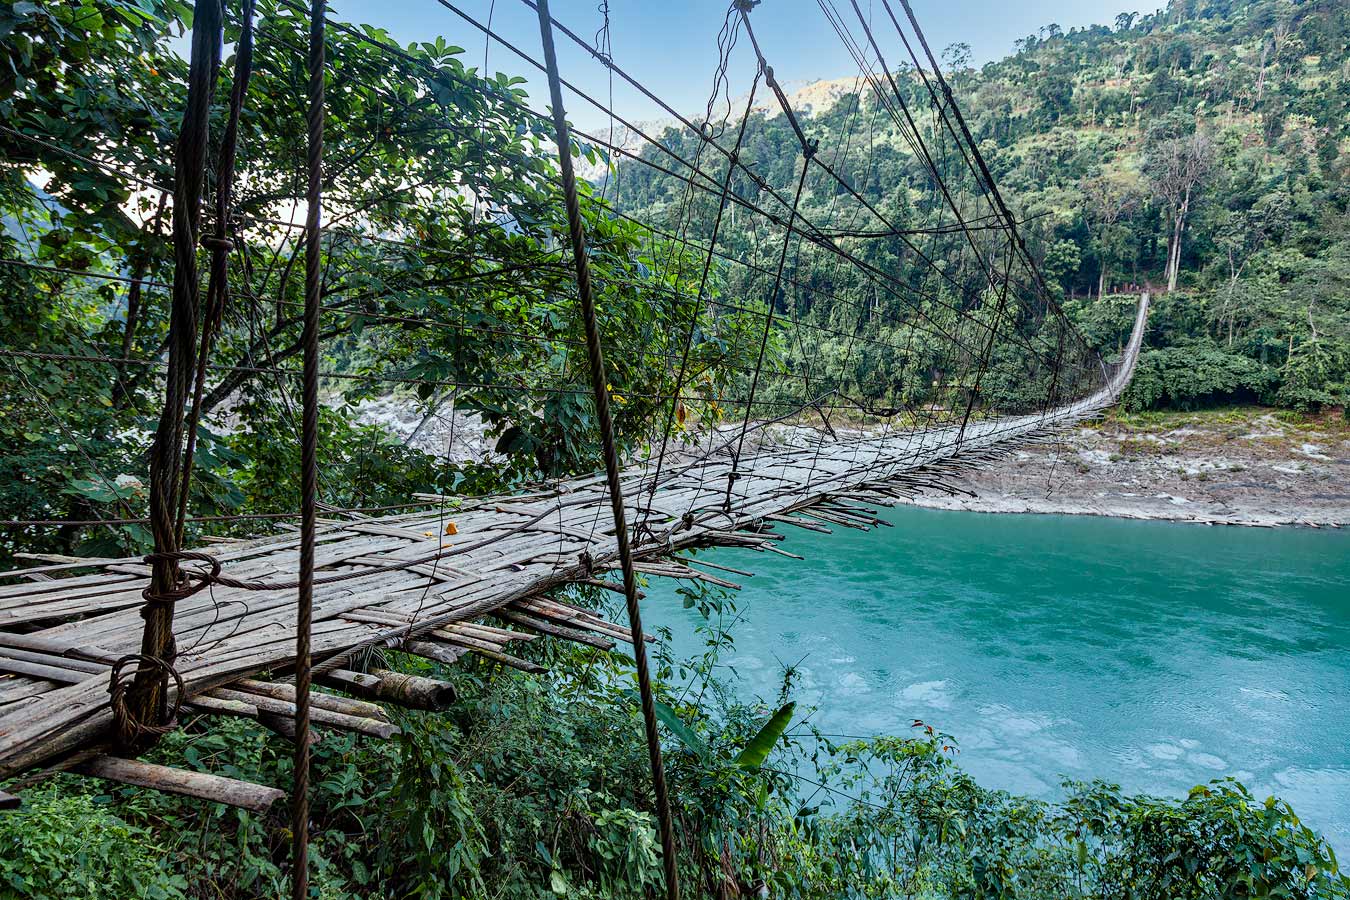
{"x": 412, "y": 691}
{"x": 435, "y": 652}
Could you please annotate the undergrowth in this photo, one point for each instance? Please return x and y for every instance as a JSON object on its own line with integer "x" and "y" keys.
{"x": 537, "y": 787}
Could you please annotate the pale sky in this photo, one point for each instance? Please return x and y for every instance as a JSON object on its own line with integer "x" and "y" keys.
{"x": 671, "y": 46}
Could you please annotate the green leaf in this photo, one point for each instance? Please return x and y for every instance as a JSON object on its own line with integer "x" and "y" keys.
{"x": 101, "y": 490}
{"x": 671, "y": 720}
{"x": 757, "y": 750}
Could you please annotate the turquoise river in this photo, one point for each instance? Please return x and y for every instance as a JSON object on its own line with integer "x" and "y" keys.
{"x": 1154, "y": 655}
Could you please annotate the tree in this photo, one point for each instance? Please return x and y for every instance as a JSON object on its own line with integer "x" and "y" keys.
{"x": 1054, "y": 90}
{"x": 1239, "y": 234}
{"x": 957, "y": 57}
{"x": 440, "y": 269}
{"x": 1177, "y": 168}
{"x": 1108, "y": 200}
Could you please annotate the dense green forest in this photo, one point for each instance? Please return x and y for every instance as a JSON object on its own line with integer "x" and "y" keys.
{"x": 1202, "y": 151}
{"x": 442, "y": 282}
{"x": 427, "y": 293}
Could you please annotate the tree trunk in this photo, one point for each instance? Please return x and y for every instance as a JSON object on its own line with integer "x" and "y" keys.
{"x": 1261, "y": 79}
{"x": 1171, "y": 245}
{"x": 1178, "y": 228}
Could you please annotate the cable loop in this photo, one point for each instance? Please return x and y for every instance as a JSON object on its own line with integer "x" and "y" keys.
{"x": 189, "y": 581}
{"x": 216, "y": 242}
{"x": 131, "y": 729}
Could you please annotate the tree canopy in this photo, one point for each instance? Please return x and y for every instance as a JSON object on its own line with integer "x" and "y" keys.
{"x": 443, "y": 278}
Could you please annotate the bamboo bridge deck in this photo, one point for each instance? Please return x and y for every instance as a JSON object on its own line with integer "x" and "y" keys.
{"x": 443, "y": 582}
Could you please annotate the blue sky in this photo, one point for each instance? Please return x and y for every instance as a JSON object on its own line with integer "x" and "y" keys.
{"x": 670, "y": 45}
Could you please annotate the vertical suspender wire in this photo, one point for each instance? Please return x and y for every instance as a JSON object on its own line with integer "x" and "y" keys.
{"x": 595, "y": 355}
{"x": 808, "y": 150}
{"x": 988, "y": 346}
{"x": 150, "y": 687}
{"x": 309, "y": 448}
{"x": 217, "y": 286}
{"x": 697, "y": 304}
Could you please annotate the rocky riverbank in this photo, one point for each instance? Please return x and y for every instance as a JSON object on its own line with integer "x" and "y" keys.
{"x": 1247, "y": 466}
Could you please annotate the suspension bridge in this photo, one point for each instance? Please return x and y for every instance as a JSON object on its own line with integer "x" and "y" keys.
{"x": 448, "y": 581}
{"x": 99, "y": 657}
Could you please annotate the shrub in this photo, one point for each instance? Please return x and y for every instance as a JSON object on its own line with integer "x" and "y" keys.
{"x": 70, "y": 846}
{"x": 1197, "y": 374}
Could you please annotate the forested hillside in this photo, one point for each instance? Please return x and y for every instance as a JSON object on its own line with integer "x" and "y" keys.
{"x": 1202, "y": 151}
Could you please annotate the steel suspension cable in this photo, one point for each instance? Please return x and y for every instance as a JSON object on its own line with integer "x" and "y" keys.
{"x": 309, "y": 450}
{"x": 595, "y": 355}
{"x": 704, "y": 181}
{"x": 988, "y": 181}
{"x": 146, "y": 707}
{"x": 817, "y": 238}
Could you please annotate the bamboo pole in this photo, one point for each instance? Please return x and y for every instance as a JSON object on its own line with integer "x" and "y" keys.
{"x": 202, "y": 785}
{"x": 412, "y": 691}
